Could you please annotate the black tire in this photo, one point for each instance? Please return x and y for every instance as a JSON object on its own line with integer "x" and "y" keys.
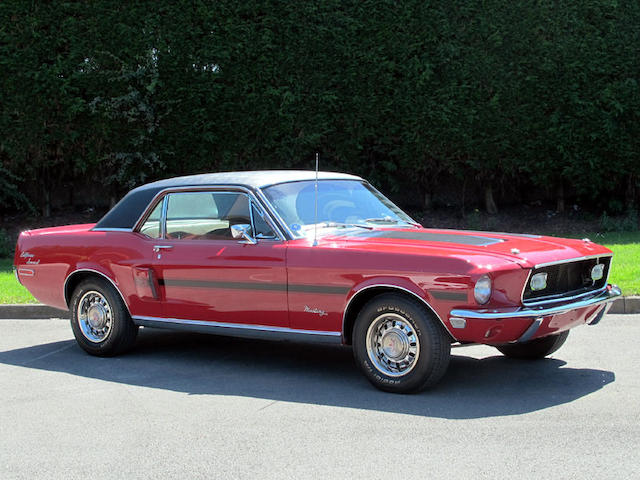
{"x": 121, "y": 333}
{"x": 434, "y": 344}
{"x": 538, "y": 348}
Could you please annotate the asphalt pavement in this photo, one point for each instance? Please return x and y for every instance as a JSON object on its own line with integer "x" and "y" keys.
{"x": 196, "y": 406}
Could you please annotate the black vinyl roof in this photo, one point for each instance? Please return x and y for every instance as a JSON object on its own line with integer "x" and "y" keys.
{"x": 128, "y": 210}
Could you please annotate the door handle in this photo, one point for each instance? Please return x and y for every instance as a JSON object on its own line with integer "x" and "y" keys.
{"x": 157, "y": 248}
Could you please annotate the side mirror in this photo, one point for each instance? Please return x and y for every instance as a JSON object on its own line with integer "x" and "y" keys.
{"x": 242, "y": 230}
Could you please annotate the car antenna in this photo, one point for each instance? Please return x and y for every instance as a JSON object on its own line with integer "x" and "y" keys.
{"x": 315, "y": 223}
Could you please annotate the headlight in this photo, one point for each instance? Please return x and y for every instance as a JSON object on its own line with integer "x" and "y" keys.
{"x": 482, "y": 290}
{"x": 597, "y": 272}
{"x": 538, "y": 281}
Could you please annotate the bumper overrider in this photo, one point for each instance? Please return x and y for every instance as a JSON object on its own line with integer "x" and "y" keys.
{"x": 526, "y": 323}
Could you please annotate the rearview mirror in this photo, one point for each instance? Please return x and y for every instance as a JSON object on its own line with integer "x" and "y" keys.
{"x": 243, "y": 230}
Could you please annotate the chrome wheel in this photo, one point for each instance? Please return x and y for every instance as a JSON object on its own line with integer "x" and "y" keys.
{"x": 392, "y": 344}
{"x": 95, "y": 316}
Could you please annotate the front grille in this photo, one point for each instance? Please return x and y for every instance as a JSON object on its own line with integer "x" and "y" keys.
{"x": 567, "y": 280}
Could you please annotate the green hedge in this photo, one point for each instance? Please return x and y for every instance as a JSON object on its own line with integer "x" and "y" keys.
{"x": 498, "y": 97}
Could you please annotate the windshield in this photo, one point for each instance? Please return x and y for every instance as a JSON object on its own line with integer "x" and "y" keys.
{"x": 341, "y": 203}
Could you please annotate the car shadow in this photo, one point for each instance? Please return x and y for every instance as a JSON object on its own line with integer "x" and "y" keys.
{"x": 317, "y": 374}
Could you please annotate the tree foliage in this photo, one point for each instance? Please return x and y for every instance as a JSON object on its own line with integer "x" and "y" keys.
{"x": 494, "y": 98}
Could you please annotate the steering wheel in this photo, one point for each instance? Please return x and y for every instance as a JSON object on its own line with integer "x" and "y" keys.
{"x": 180, "y": 235}
{"x": 335, "y": 204}
{"x": 219, "y": 233}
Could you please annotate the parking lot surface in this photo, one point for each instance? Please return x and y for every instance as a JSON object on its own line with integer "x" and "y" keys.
{"x": 198, "y": 406}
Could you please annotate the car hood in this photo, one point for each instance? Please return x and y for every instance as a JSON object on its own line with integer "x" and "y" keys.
{"x": 524, "y": 250}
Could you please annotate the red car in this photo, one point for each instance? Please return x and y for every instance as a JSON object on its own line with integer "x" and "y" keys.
{"x": 288, "y": 255}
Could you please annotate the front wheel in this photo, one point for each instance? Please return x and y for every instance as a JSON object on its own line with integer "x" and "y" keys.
{"x": 100, "y": 320}
{"x": 399, "y": 345}
{"x": 538, "y": 348}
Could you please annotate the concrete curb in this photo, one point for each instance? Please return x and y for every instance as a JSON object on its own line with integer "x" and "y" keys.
{"x": 37, "y": 311}
{"x": 31, "y": 311}
{"x": 626, "y": 305}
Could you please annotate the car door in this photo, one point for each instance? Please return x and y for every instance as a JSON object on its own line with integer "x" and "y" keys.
{"x": 204, "y": 274}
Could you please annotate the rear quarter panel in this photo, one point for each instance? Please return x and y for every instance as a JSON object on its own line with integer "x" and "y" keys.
{"x": 53, "y": 254}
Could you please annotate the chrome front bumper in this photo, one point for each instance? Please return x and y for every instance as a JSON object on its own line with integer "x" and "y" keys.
{"x": 608, "y": 294}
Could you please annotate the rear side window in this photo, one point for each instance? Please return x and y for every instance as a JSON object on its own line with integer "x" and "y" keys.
{"x": 151, "y": 228}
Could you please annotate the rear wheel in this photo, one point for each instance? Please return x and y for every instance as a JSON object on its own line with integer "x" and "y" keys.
{"x": 400, "y": 346}
{"x": 99, "y": 319}
{"x": 538, "y": 348}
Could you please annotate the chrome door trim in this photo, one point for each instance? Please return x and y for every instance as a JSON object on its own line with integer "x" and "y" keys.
{"x": 239, "y": 329}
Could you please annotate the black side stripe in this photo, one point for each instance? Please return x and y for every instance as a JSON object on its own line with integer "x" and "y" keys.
{"x": 255, "y": 286}
{"x": 318, "y": 289}
{"x": 232, "y": 285}
{"x": 444, "y": 295}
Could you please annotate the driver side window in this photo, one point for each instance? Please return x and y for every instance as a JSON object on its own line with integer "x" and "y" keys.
{"x": 205, "y": 215}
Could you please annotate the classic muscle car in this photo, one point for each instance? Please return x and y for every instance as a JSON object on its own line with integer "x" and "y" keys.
{"x": 320, "y": 257}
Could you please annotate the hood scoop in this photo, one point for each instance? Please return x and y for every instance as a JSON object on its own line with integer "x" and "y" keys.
{"x": 422, "y": 236}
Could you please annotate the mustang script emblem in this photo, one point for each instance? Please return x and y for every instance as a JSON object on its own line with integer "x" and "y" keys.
{"x": 317, "y": 311}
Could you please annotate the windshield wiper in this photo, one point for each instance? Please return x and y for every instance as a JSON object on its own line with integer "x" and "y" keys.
{"x": 345, "y": 225}
{"x": 390, "y": 221}
{"x": 387, "y": 220}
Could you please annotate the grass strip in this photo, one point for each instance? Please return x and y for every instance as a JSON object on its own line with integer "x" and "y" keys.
{"x": 625, "y": 271}
{"x": 10, "y": 289}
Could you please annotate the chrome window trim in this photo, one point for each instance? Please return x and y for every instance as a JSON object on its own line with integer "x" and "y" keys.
{"x": 66, "y": 280}
{"x": 256, "y": 208}
{"x": 162, "y": 228}
{"x": 396, "y": 287}
{"x": 163, "y": 194}
{"x": 236, "y": 329}
{"x": 167, "y": 198}
{"x": 253, "y": 226}
{"x": 274, "y": 214}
